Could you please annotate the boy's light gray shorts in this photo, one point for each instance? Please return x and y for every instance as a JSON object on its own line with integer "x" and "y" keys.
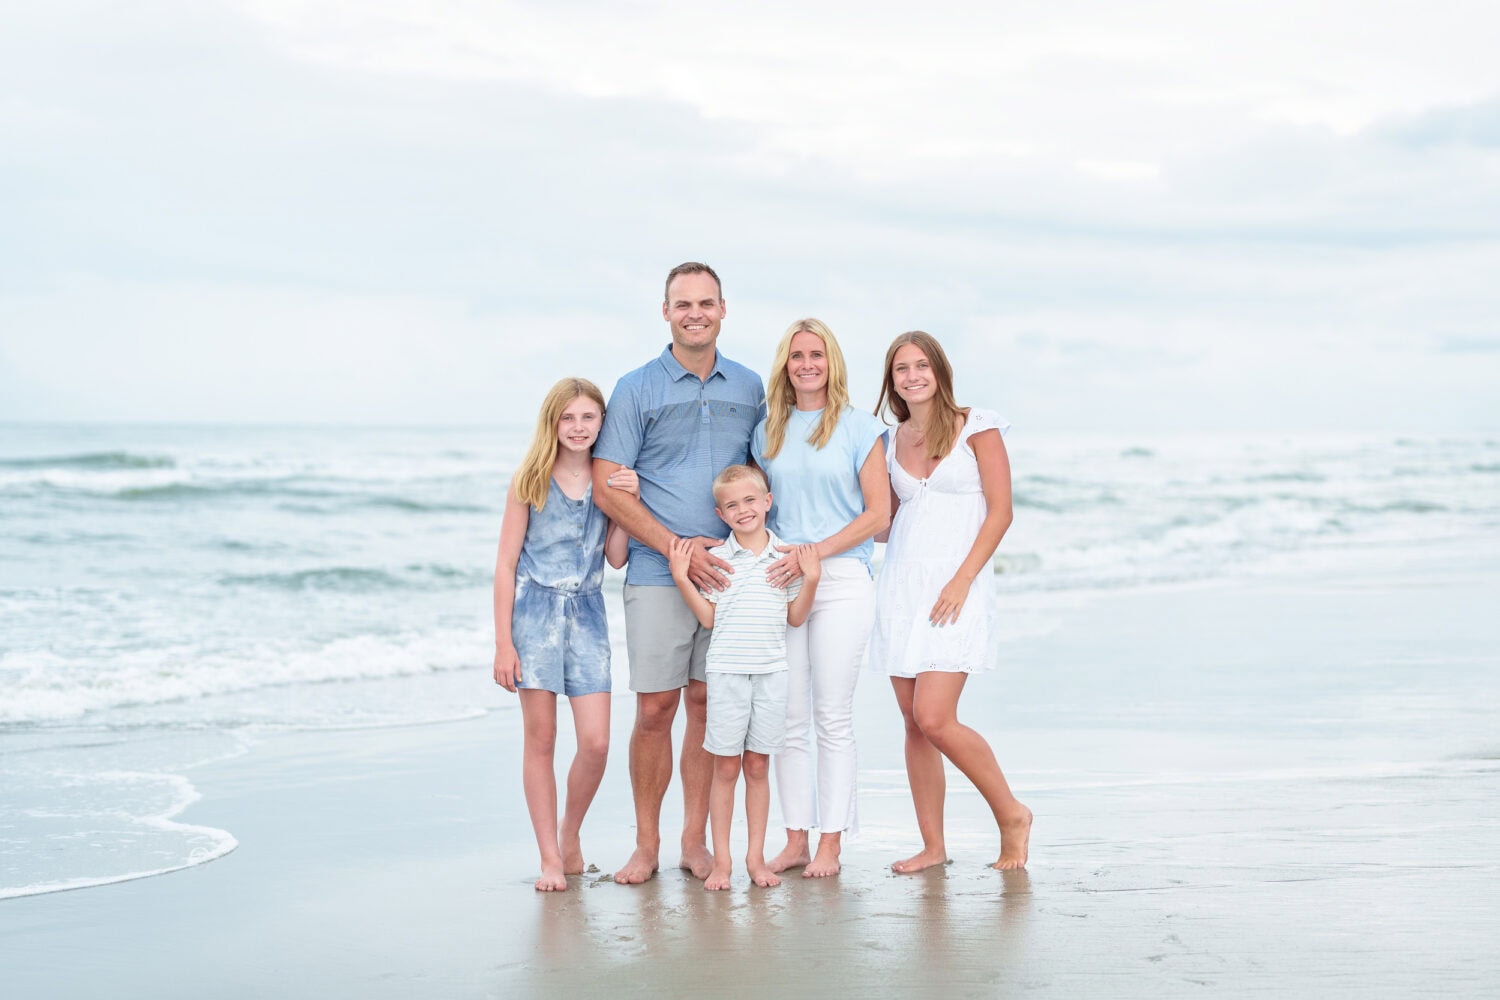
{"x": 746, "y": 712}
{"x": 666, "y": 645}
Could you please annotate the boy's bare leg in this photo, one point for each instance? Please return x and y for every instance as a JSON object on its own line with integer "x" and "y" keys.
{"x": 721, "y": 810}
{"x": 650, "y": 773}
{"x": 924, "y": 773}
{"x": 697, "y": 777}
{"x": 826, "y": 862}
{"x": 935, "y": 706}
{"x": 795, "y": 854}
{"x": 591, "y": 726}
{"x": 757, "y": 813}
{"x": 539, "y": 742}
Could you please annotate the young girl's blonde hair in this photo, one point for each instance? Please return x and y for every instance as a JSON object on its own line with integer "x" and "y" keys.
{"x": 533, "y": 478}
{"x": 782, "y": 398}
{"x": 940, "y": 432}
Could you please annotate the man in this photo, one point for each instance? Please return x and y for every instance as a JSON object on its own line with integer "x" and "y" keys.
{"x": 678, "y": 420}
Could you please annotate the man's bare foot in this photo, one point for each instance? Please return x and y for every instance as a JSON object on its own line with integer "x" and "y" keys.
{"x": 1015, "y": 839}
{"x": 761, "y": 874}
{"x": 793, "y": 855}
{"x": 641, "y": 866}
{"x": 718, "y": 878}
{"x": 826, "y": 862}
{"x": 552, "y": 879}
{"x": 698, "y": 860}
{"x": 572, "y": 856}
{"x": 921, "y": 860}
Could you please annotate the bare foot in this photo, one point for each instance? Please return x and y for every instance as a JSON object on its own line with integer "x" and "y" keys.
{"x": 698, "y": 860}
{"x": 793, "y": 855}
{"x": 1015, "y": 838}
{"x": 572, "y": 855}
{"x": 641, "y": 866}
{"x": 825, "y": 864}
{"x": 718, "y": 878}
{"x": 922, "y": 859}
{"x": 552, "y": 879}
{"x": 761, "y": 874}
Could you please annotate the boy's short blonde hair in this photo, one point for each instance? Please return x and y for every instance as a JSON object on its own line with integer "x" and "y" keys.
{"x": 734, "y": 473}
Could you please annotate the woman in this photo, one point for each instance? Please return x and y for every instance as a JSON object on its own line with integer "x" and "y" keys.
{"x": 828, "y": 478}
{"x": 935, "y": 604}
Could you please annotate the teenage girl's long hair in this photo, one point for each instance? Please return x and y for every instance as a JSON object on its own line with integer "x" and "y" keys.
{"x": 941, "y": 430}
{"x": 534, "y": 476}
{"x": 781, "y": 399}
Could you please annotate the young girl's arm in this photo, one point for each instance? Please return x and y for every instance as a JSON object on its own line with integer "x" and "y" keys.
{"x": 994, "y": 479}
{"x": 512, "y": 534}
{"x": 680, "y": 558}
{"x": 812, "y": 568}
{"x": 617, "y": 539}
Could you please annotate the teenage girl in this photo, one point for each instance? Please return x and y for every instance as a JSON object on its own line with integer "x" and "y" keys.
{"x": 551, "y": 636}
{"x": 935, "y": 599}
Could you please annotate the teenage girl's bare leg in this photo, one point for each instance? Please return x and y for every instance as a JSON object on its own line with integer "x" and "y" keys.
{"x": 935, "y": 707}
{"x": 924, "y": 773}
{"x": 591, "y": 725}
{"x": 539, "y": 742}
{"x": 697, "y": 777}
{"x": 650, "y": 773}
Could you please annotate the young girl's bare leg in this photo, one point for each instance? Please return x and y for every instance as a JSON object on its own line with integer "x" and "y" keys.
{"x": 721, "y": 814}
{"x": 935, "y": 706}
{"x": 591, "y": 726}
{"x": 539, "y": 719}
{"x": 929, "y": 785}
{"x": 757, "y": 811}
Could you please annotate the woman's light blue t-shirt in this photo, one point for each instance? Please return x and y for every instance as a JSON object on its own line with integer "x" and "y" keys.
{"x": 816, "y": 491}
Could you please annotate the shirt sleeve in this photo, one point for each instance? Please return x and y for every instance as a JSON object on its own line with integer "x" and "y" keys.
{"x": 867, "y": 429}
{"x": 793, "y": 589}
{"x": 983, "y": 420}
{"x": 624, "y": 432}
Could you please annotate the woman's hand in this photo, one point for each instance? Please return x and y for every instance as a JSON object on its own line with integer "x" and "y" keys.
{"x": 507, "y": 666}
{"x": 783, "y": 571}
{"x": 624, "y": 480}
{"x": 950, "y": 601}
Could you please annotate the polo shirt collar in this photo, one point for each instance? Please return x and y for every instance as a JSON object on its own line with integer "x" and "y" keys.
{"x": 735, "y": 548}
{"x": 677, "y": 373}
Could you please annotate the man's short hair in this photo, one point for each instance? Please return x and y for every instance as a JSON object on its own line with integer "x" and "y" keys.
{"x": 690, "y": 267}
{"x": 735, "y": 473}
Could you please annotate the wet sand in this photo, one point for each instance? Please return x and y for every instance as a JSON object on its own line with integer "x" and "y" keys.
{"x": 1287, "y": 785}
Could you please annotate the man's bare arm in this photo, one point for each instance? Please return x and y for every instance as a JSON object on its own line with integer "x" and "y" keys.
{"x": 626, "y": 510}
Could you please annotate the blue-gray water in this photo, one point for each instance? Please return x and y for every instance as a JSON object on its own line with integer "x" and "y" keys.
{"x": 168, "y": 593}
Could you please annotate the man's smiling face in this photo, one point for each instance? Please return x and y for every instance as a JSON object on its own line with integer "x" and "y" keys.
{"x": 694, "y": 310}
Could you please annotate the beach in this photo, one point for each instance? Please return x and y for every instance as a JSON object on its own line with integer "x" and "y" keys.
{"x": 1281, "y": 783}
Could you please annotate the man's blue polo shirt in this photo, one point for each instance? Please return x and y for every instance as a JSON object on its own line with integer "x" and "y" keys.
{"x": 677, "y": 432}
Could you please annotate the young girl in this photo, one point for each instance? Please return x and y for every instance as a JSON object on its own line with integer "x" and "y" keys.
{"x": 935, "y": 603}
{"x": 551, "y": 637}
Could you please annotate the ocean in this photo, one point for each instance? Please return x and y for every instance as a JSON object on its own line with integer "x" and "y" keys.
{"x": 171, "y": 594}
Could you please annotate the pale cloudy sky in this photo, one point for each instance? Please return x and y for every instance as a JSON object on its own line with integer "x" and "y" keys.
{"x": 1159, "y": 215}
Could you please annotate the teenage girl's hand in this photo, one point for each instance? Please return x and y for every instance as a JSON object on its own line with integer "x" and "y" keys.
{"x": 507, "y": 666}
{"x": 783, "y": 571}
{"x": 707, "y": 572}
{"x": 808, "y": 563}
{"x": 950, "y": 602}
{"x": 625, "y": 480}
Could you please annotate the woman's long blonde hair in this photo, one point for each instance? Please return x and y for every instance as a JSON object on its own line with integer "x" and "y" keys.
{"x": 781, "y": 399}
{"x": 533, "y": 479}
{"x": 941, "y": 430}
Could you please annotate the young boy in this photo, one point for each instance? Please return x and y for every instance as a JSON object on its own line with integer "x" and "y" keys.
{"x": 746, "y": 661}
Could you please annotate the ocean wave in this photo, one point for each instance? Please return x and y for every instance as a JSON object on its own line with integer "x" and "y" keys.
{"x": 103, "y": 460}
{"x": 360, "y": 579}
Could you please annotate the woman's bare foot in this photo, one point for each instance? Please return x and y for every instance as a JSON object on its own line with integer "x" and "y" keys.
{"x": 552, "y": 879}
{"x": 572, "y": 856}
{"x": 696, "y": 859}
{"x": 826, "y": 862}
{"x": 761, "y": 874}
{"x": 794, "y": 854}
{"x": 925, "y": 858}
{"x": 1015, "y": 839}
{"x": 718, "y": 878}
{"x": 641, "y": 866}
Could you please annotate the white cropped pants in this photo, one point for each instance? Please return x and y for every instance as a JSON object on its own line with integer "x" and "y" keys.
{"x": 824, "y": 656}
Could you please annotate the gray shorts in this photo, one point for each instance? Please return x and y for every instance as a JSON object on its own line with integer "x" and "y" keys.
{"x": 746, "y": 712}
{"x": 667, "y": 646}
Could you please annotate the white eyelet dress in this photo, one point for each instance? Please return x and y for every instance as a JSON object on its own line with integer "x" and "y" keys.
{"x": 932, "y": 533}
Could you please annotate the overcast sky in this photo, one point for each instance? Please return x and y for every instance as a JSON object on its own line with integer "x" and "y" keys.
{"x": 1166, "y": 216}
